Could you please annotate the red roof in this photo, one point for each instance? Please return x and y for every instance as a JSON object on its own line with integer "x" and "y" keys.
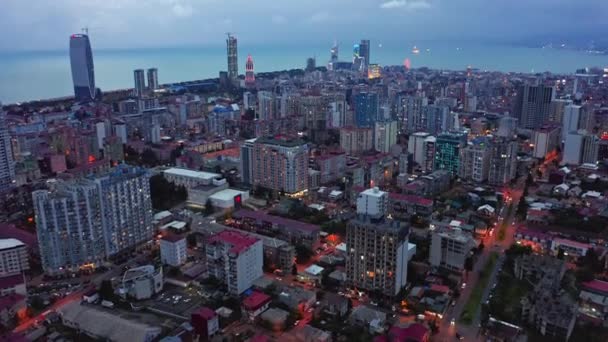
{"x": 597, "y": 285}
{"x": 283, "y": 222}
{"x": 410, "y": 198}
{"x": 255, "y": 301}
{"x": 10, "y": 231}
{"x": 440, "y": 288}
{"x": 11, "y": 281}
{"x": 239, "y": 241}
{"x": 259, "y": 338}
{"x": 205, "y": 313}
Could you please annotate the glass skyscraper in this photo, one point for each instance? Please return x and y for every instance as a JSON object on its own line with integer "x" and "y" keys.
{"x": 83, "y": 73}
{"x": 366, "y": 109}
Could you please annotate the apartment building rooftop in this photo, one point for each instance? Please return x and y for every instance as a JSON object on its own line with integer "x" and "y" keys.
{"x": 287, "y": 223}
{"x": 239, "y": 241}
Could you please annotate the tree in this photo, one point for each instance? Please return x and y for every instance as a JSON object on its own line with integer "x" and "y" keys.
{"x": 165, "y": 194}
{"x": 468, "y": 264}
{"x": 191, "y": 240}
{"x": 294, "y": 269}
{"x": 208, "y": 208}
{"x": 148, "y": 158}
{"x": 106, "y": 291}
{"x": 303, "y": 254}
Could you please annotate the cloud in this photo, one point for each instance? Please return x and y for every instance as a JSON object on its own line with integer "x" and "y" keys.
{"x": 319, "y": 17}
{"x": 182, "y": 10}
{"x": 406, "y": 4}
{"x": 278, "y": 19}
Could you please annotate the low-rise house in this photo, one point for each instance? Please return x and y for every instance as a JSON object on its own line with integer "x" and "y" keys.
{"x": 594, "y": 299}
{"x": 254, "y": 304}
{"x": 276, "y": 318}
{"x": 369, "y": 318}
{"x": 297, "y": 297}
{"x": 9, "y": 306}
{"x": 335, "y": 305}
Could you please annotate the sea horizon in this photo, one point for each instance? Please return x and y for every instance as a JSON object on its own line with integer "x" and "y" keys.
{"x": 29, "y": 75}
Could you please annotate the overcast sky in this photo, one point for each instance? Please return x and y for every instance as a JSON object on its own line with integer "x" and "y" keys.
{"x": 46, "y": 24}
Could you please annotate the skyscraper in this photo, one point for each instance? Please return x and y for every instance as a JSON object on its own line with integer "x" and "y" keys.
{"x": 334, "y": 56}
{"x": 84, "y": 221}
{"x": 249, "y": 73}
{"x": 311, "y": 64}
{"x": 366, "y": 109}
{"x": 7, "y": 165}
{"x": 447, "y": 151}
{"x": 83, "y": 73}
{"x": 475, "y": 164}
{"x": 533, "y": 105}
{"x": 139, "y": 88}
{"x": 364, "y": 53}
{"x": 233, "y": 63}
{"x": 152, "y": 79}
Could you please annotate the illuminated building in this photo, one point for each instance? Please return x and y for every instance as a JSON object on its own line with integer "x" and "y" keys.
{"x": 475, "y": 164}
{"x": 366, "y": 109}
{"x": 374, "y": 71}
{"x": 377, "y": 254}
{"x": 450, "y": 247}
{"x": 84, "y": 221}
{"x": 249, "y": 74}
{"x": 281, "y": 164}
{"x": 448, "y": 148}
{"x": 83, "y": 73}
{"x": 233, "y": 63}
{"x": 503, "y": 161}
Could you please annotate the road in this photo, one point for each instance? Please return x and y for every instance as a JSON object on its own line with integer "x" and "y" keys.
{"x": 447, "y": 332}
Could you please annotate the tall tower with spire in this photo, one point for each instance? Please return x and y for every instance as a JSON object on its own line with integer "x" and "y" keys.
{"x": 249, "y": 74}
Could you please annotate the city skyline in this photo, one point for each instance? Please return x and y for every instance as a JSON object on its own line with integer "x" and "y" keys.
{"x": 179, "y": 22}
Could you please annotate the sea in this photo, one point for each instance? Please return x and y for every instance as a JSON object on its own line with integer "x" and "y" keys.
{"x": 35, "y": 75}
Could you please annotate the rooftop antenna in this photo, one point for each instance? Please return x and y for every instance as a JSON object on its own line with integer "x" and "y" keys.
{"x": 85, "y": 30}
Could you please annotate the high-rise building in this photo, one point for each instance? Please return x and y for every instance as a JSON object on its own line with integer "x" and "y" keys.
{"x": 173, "y": 250}
{"x": 139, "y": 89}
{"x": 267, "y": 105}
{"x": 571, "y": 119}
{"x": 590, "y": 149}
{"x": 7, "y": 164}
{"x": 475, "y": 163}
{"x": 236, "y": 259}
{"x": 364, "y": 53}
{"x": 366, "y": 109}
{"x": 247, "y": 161}
{"x": 435, "y": 119}
{"x": 311, "y": 64}
{"x": 532, "y": 105}
{"x": 503, "y": 161}
{"x": 333, "y": 60}
{"x": 152, "y": 79}
{"x": 556, "y": 111}
{"x": 580, "y": 147}
{"x": 545, "y": 140}
{"x": 428, "y": 162}
{"x": 355, "y": 140}
{"x": 385, "y": 135}
{"x": 249, "y": 101}
{"x": 410, "y": 110}
{"x": 415, "y": 146}
{"x": 233, "y": 63}
{"x": 13, "y": 257}
{"x": 82, "y": 222}
{"x": 447, "y": 151}
{"x": 249, "y": 73}
{"x": 281, "y": 164}
{"x": 83, "y": 73}
{"x": 377, "y": 253}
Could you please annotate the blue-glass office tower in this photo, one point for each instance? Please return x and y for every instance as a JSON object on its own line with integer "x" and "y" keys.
{"x": 366, "y": 109}
{"x": 83, "y": 74}
{"x": 447, "y": 151}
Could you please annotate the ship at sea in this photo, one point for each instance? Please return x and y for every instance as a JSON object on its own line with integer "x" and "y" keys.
{"x": 415, "y": 50}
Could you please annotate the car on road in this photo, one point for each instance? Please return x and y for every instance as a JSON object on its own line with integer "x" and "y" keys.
{"x": 464, "y": 285}
{"x": 459, "y": 337}
{"x": 295, "y": 324}
{"x": 453, "y": 321}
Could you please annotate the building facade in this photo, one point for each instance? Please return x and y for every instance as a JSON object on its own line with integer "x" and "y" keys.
{"x": 385, "y": 135}
{"x": 7, "y": 164}
{"x": 83, "y": 73}
{"x": 533, "y": 104}
{"x": 13, "y": 257}
{"x": 448, "y": 148}
{"x": 280, "y": 164}
{"x": 235, "y": 259}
